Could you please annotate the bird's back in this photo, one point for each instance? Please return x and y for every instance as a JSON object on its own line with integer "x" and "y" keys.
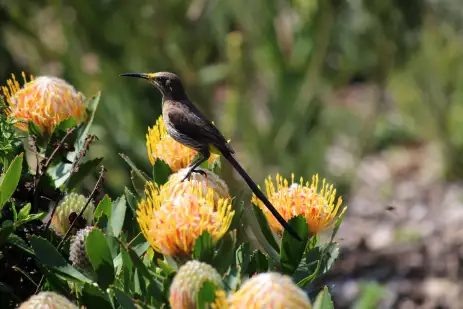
{"x": 188, "y": 125}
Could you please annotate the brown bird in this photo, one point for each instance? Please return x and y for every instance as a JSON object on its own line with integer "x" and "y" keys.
{"x": 188, "y": 126}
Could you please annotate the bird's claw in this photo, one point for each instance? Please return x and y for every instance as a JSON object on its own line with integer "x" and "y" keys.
{"x": 188, "y": 175}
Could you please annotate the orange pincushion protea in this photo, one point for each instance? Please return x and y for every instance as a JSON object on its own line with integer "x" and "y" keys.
{"x": 319, "y": 208}
{"x": 172, "y": 223}
{"x": 161, "y": 146}
{"x": 45, "y": 100}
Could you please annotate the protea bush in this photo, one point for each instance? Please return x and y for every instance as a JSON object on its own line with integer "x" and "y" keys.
{"x": 163, "y": 243}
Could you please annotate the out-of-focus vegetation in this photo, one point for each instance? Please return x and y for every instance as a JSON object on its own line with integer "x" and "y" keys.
{"x": 280, "y": 78}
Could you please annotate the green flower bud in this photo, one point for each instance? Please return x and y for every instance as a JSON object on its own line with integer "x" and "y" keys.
{"x": 47, "y": 300}
{"x": 72, "y": 203}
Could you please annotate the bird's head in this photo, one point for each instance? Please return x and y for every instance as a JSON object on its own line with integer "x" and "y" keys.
{"x": 169, "y": 84}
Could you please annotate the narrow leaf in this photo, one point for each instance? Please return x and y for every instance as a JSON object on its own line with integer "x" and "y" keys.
{"x": 161, "y": 172}
{"x": 18, "y": 242}
{"x": 10, "y": 180}
{"x": 154, "y": 286}
{"x": 225, "y": 253}
{"x": 206, "y": 295}
{"x": 116, "y": 221}
{"x": 292, "y": 250}
{"x": 83, "y": 171}
{"x": 203, "y": 249}
{"x": 265, "y": 227}
{"x": 124, "y": 300}
{"x": 24, "y": 212}
{"x": 5, "y": 231}
{"x": 131, "y": 201}
{"x": 135, "y": 168}
{"x": 104, "y": 207}
{"x": 94, "y": 298}
{"x": 49, "y": 257}
{"x": 34, "y": 129}
{"x": 323, "y": 300}
{"x": 100, "y": 256}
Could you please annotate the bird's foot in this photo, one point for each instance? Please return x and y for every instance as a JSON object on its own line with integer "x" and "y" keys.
{"x": 188, "y": 175}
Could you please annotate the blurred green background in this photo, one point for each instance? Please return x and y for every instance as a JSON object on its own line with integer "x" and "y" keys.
{"x": 293, "y": 84}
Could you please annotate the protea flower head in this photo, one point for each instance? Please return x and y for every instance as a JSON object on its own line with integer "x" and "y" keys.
{"x": 172, "y": 224}
{"x": 319, "y": 207}
{"x": 47, "y": 300}
{"x": 44, "y": 100}
{"x": 188, "y": 282}
{"x": 269, "y": 290}
{"x": 77, "y": 253}
{"x": 161, "y": 146}
{"x": 176, "y": 186}
{"x": 71, "y": 203}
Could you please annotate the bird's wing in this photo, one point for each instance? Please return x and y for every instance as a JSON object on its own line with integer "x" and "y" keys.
{"x": 197, "y": 126}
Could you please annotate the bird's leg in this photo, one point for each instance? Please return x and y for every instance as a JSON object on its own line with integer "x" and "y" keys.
{"x": 202, "y": 157}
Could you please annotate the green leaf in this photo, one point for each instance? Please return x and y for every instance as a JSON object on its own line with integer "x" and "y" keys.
{"x": 323, "y": 300}
{"x": 49, "y": 257}
{"x": 292, "y": 250}
{"x": 104, "y": 207}
{"x": 37, "y": 216}
{"x": 265, "y": 227}
{"x": 258, "y": 264}
{"x": 6, "y": 289}
{"x": 206, "y": 295}
{"x": 243, "y": 257}
{"x": 94, "y": 298}
{"x": 61, "y": 171}
{"x": 66, "y": 124}
{"x": 139, "y": 172}
{"x": 24, "y": 212}
{"x": 154, "y": 286}
{"x": 336, "y": 226}
{"x": 116, "y": 221}
{"x": 138, "y": 183}
{"x": 224, "y": 255}
{"x": 131, "y": 200}
{"x": 10, "y": 180}
{"x": 161, "y": 172}
{"x": 100, "y": 256}
{"x": 203, "y": 249}
{"x": 5, "y": 231}
{"x": 83, "y": 171}
{"x": 18, "y": 242}
{"x": 370, "y": 296}
{"x": 34, "y": 130}
{"x": 124, "y": 300}
{"x": 319, "y": 260}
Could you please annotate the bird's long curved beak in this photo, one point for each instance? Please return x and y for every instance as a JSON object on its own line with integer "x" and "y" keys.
{"x": 148, "y": 76}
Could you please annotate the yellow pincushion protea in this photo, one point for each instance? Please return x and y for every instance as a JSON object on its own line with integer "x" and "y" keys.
{"x": 161, "y": 146}
{"x": 269, "y": 290}
{"x": 172, "y": 224}
{"x": 188, "y": 282}
{"x": 45, "y": 100}
{"x": 319, "y": 208}
{"x": 197, "y": 181}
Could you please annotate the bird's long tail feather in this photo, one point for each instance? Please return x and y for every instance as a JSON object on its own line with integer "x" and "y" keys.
{"x": 260, "y": 195}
